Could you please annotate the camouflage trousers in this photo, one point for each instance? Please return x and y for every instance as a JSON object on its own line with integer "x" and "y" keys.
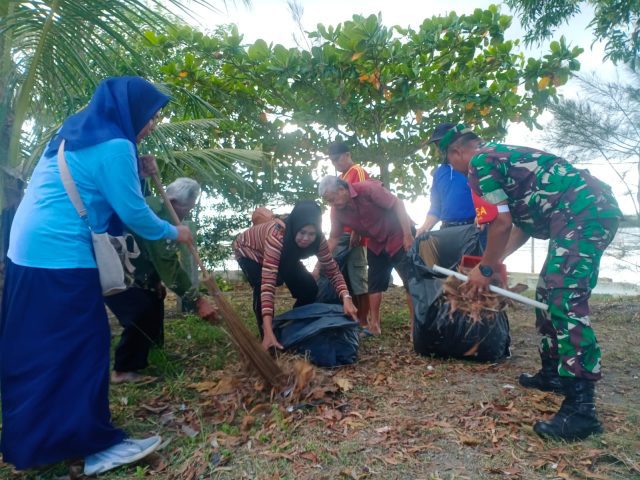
{"x": 567, "y": 278}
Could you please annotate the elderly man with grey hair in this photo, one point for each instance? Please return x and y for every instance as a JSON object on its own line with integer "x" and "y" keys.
{"x": 372, "y": 211}
{"x": 140, "y": 308}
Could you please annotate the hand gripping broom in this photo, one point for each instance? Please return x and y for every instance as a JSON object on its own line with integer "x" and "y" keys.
{"x": 246, "y": 343}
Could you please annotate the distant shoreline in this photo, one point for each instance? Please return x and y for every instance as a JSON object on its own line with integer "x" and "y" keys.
{"x": 606, "y": 286}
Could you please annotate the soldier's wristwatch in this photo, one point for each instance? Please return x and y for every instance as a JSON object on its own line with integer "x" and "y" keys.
{"x": 485, "y": 270}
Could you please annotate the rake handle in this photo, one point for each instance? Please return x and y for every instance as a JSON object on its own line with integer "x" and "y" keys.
{"x": 501, "y": 291}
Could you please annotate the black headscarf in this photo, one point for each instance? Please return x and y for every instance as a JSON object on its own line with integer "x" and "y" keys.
{"x": 305, "y": 212}
{"x": 119, "y": 108}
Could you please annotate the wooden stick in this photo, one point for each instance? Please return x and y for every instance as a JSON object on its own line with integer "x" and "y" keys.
{"x": 243, "y": 339}
{"x": 501, "y": 291}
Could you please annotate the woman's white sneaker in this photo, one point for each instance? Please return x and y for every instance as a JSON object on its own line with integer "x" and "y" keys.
{"x": 127, "y": 451}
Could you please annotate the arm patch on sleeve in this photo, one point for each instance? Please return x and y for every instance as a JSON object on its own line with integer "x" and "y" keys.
{"x": 485, "y": 212}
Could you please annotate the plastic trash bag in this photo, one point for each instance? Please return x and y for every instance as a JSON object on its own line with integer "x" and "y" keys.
{"x": 435, "y": 331}
{"x": 326, "y": 292}
{"x": 320, "y": 331}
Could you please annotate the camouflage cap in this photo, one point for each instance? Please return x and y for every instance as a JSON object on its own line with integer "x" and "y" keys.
{"x": 439, "y": 131}
{"x": 445, "y": 133}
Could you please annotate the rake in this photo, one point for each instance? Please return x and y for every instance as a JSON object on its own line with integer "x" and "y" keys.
{"x": 500, "y": 291}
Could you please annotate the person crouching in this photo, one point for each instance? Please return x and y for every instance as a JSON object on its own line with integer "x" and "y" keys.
{"x": 270, "y": 254}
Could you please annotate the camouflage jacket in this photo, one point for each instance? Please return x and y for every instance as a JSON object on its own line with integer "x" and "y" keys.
{"x": 165, "y": 261}
{"x": 538, "y": 185}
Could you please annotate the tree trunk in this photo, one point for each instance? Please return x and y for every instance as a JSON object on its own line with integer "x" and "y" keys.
{"x": 384, "y": 174}
{"x": 6, "y": 125}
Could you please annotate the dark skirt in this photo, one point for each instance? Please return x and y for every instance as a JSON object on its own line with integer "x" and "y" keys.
{"x": 54, "y": 366}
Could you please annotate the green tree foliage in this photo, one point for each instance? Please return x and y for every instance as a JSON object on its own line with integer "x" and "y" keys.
{"x": 603, "y": 122}
{"x": 381, "y": 88}
{"x": 385, "y": 88}
{"x": 616, "y": 22}
{"x": 202, "y": 65}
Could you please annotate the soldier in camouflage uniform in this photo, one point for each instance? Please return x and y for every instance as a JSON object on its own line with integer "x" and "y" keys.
{"x": 540, "y": 195}
{"x": 140, "y": 308}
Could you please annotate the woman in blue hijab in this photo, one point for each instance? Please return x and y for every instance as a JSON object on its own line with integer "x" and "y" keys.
{"x": 54, "y": 332}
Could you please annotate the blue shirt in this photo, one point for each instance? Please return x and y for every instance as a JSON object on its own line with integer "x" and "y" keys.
{"x": 450, "y": 196}
{"x": 47, "y": 231}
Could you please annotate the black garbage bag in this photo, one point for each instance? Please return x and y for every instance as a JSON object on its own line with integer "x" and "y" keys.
{"x": 435, "y": 330}
{"x": 326, "y": 292}
{"x": 320, "y": 331}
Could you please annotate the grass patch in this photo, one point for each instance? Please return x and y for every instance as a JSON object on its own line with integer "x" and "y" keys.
{"x": 458, "y": 420}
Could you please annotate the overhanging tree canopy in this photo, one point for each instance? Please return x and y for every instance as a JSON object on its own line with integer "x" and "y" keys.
{"x": 382, "y": 88}
{"x": 385, "y": 88}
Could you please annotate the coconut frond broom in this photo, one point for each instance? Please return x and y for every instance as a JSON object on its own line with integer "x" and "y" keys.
{"x": 246, "y": 343}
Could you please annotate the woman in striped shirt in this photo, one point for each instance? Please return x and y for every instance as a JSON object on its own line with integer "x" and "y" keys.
{"x": 269, "y": 254}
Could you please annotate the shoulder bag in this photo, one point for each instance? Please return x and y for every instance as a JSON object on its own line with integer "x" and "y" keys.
{"x": 111, "y": 253}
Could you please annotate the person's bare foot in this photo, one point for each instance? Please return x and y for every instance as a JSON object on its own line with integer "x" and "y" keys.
{"x": 375, "y": 330}
{"x": 131, "y": 377}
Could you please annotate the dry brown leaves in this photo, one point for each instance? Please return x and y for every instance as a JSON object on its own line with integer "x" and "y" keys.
{"x": 243, "y": 413}
{"x": 394, "y": 409}
{"x": 483, "y": 308}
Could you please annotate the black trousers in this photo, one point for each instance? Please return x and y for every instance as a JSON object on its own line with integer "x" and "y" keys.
{"x": 141, "y": 313}
{"x": 296, "y": 277}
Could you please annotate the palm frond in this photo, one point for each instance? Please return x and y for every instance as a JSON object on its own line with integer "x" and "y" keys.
{"x": 62, "y": 48}
{"x": 169, "y": 129}
{"x": 216, "y": 168}
{"x": 186, "y": 148}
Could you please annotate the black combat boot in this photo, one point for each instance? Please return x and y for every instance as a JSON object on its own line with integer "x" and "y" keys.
{"x": 576, "y": 418}
{"x": 547, "y": 378}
